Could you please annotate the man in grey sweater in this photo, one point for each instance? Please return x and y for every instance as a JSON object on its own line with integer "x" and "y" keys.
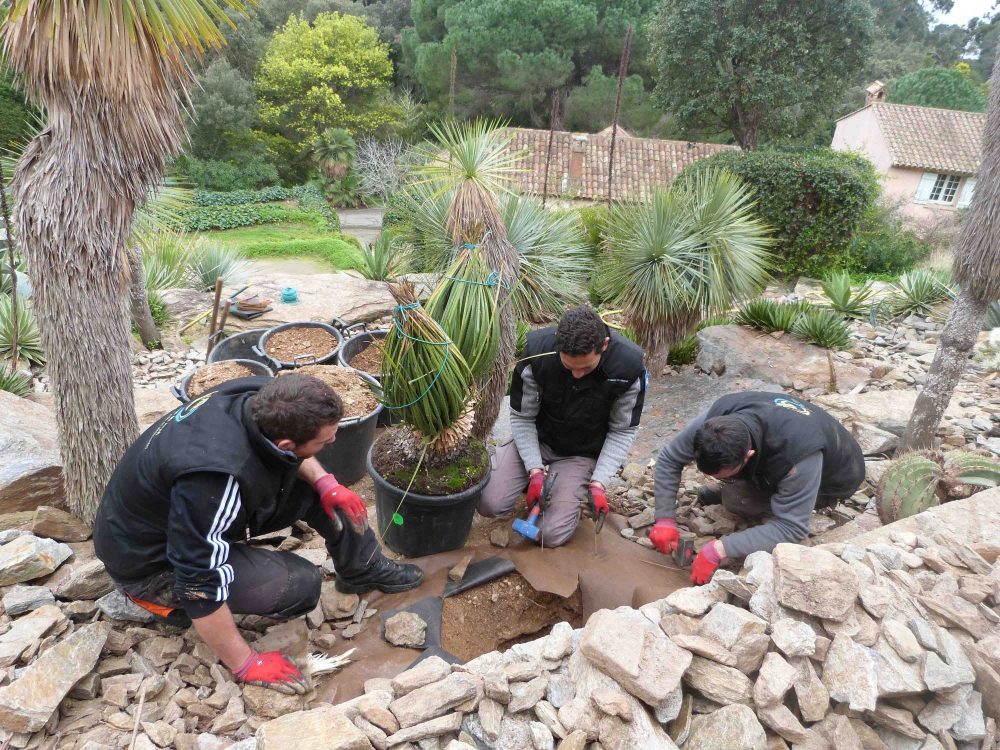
{"x": 575, "y": 402}
{"x": 775, "y": 455}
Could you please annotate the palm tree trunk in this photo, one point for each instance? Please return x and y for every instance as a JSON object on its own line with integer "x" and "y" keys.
{"x": 950, "y": 359}
{"x": 142, "y": 316}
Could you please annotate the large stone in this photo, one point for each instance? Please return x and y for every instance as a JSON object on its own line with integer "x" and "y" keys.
{"x": 433, "y": 728}
{"x": 76, "y": 580}
{"x": 741, "y": 352}
{"x": 729, "y": 625}
{"x": 428, "y": 670}
{"x": 901, "y": 638}
{"x": 406, "y": 629}
{"x": 793, "y": 638}
{"x": 814, "y": 581}
{"x": 117, "y": 606}
{"x": 896, "y": 678}
{"x": 26, "y": 630}
{"x": 20, "y": 599}
{"x": 850, "y": 674}
{"x": 774, "y": 680}
{"x": 29, "y": 557}
{"x": 27, "y": 703}
{"x": 730, "y": 728}
{"x": 780, "y": 720}
{"x": 433, "y": 700}
{"x": 697, "y": 600}
{"x": 718, "y": 683}
{"x": 55, "y": 523}
{"x": 323, "y": 728}
{"x": 30, "y": 466}
{"x": 270, "y": 703}
{"x": 337, "y": 606}
{"x": 524, "y": 695}
{"x": 707, "y": 647}
{"x": 812, "y": 695}
{"x": 635, "y": 653}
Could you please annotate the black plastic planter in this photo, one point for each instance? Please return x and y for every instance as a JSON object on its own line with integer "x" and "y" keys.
{"x": 277, "y": 364}
{"x": 345, "y": 456}
{"x": 430, "y": 524}
{"x": 179, "y": 390}
{"x": 240, "y": 346}
{"x": 352, "y": 347}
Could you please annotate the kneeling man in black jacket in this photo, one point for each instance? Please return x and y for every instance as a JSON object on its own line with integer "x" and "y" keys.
{"x": 232, "y": 464}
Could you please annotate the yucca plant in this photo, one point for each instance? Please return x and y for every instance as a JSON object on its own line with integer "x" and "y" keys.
{"x": 464, "y": 304}
{"x": 822, "y": 327}
{"x": 843, "y": 298}
{"x": 210, "y": 260}
{"x": 476, "y": 162}
{"x": 383, "y": 259}
{"x": 166, "y": 261}
{"x": 917, "y": 481}
{"x": 684, "y": 255}
{"x": 15, "y": 382}
{"x": 918, "y": 292}
{"x": 29, "y": 342}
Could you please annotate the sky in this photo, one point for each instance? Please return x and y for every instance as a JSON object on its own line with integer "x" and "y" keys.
{"x": 964, "y": 10}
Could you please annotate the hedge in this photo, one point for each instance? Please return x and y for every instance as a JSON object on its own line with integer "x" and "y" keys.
{"x": 241, "y": 197}
{"x": 814, "y": 200}
{"x": 243, "y": 208}
{"x": 233, "y": 217}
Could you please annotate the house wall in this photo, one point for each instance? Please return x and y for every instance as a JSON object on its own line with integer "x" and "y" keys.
{"x": 859, "y": 132}
{"x": 900, "y": 185}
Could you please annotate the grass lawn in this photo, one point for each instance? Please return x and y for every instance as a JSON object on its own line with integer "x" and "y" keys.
{"x": 289, "y": 241}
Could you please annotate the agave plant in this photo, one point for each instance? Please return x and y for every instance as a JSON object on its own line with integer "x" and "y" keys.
{"x": 383, "y": 259}
{"x": 822, "y": 327}
{"x": 918, "y": 292}
{"x": 17, "y": 383}
{"x": 210, "y": 260}
{"x": 29, "y": 342}
{"x": 843, "y": 298}
{"x": 769, "y": 315}
{"x": 684, "y": 255}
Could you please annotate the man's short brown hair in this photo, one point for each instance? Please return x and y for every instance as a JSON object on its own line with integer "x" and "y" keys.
{"x": 295, "y": 407}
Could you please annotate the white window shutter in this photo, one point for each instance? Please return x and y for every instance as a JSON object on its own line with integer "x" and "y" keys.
{"x": 968, "y": 190}
{"x": 924, "y": 189}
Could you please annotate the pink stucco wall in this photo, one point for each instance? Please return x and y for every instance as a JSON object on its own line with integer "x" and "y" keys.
{"x": 900, "y": 185}
{"x": 859, "y": 132}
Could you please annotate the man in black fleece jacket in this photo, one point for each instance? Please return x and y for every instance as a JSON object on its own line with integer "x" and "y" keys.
{"x": 232, "y": 464}
{"x": 775, "y": 455}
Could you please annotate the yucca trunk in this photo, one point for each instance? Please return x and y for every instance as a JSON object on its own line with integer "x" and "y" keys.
{"x": 112, "y": 119}
{"x": 142, "y": 316}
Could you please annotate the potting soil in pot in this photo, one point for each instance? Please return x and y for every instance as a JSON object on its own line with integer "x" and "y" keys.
{"x": 306, "y": 341}
{"x": 395, "y": 459}
{"x": 368, "y": 359}
{"x": 359, "y": 401}
{"x": 210, "y": 376}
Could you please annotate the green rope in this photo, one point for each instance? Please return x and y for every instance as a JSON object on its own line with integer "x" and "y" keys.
{"x": 398, "y": 316}
{"x": 492, "y": 280}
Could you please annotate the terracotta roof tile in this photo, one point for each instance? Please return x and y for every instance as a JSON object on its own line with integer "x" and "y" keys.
{"x": 579, "y": 166}
{"x": 945, "y": 140}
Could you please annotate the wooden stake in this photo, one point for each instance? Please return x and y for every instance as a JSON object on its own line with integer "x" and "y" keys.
{"x": 215, "y": 309}
{"x": 214, "y": 338}
{"x": 622, "y": 71}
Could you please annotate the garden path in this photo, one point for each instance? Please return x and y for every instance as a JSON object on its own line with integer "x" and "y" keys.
{"x": 363, "y": 223}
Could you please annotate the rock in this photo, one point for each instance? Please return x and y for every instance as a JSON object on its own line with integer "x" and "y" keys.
{"x": 899, "y": 720}
{"x": 850, "y": 674}
{"x": 515, "y": 734}
{"x": 26, "y": 631}
{"x": 541, "y": 736}
{"x": 839, "y": 732}
{"x": 811, "y": 693}
{"x": 774, "y": 680}
{"x": 750, "y": 651}
{"x": 612, "y": 702}
{"x": 559, "y": 642}
{"x": 497, "y": 687}
{"x": 896, "y": 678}
{"x": 20, "y": 599}
{"x": 706, "y": 647}
{"x": 730, "y": 728}
{"x": 728, "y": 624}
{"x": 337, "y": 606}
{"x": 643, "y": 660}
{"x": 153, "y": 403}
{"x": 500, "y": 536}
{"x": 322, "y": 728}
{"x": 873, "y": 440}
{"x": 27, "y": 703}
{"x": 971, "y": 726}
{"x": 433, "y": 728}
{"x": 54, "y": 523}
{"x": 718, "y": 683}
{"x": 290, "y": 637}
{"x": 160, "y": 732}
{"x": 29, "y": 557}
{"x": 780, "y": 720}
{"x": 877, "y": 600}
{"x": 490, "y": 718}
{"x": 793, "y": 638}
{"x": 901, "y": 638}
{"x": 814, "y": 581}
{"x": 30, "y": 466}
{"x": 427, "y": 671}
{"x": 524, "y": 695}
{"x": 574, "y": 741}
{"x": 695, "y": 601}
{"x": 85, "y": 580}
{"x": 405, "y": 629}
{"x": 939, "y": 716}
{"x": 742, "y": 352}
{"x": 117, "y": 606}
{"x": 433, "y": 700}
{"x": 734, "y": 584}
{"x": 457, "y": 573}
{"x": 270, "y": 703}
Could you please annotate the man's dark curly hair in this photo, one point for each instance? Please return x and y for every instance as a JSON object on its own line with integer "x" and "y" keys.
{"x": 581, "y": 331}
{"x": 295, "y": 407}
{"x": 720, "y": 443}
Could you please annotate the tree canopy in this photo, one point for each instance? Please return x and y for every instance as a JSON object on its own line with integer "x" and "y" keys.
{"x": 948, "y": 88}
{"x": 759, "y": 69}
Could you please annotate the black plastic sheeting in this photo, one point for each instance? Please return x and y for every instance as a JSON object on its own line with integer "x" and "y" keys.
{"x": 479, "y": 573}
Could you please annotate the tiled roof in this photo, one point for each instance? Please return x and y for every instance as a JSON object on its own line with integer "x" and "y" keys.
{"x": 579, "y": 167}
{"x": 944, "y": 140}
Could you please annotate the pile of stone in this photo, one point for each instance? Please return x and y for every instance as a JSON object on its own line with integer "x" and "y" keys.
{"x": 889, "y": 647}
{"x": 150, "y": 369}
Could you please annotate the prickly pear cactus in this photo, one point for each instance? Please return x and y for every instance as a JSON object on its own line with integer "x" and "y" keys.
{"x": 971, "y": 468}
{"x": 908, "y": 487}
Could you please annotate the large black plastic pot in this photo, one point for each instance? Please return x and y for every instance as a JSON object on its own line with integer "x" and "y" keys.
{"x": 430, "y": 524}
{"x": 240, "y": 346}
{"x": 345, "y": 456}
{"x": 277, "y": 364}
{"x": 179, "y": 390}
{"x": 352, "y": 347}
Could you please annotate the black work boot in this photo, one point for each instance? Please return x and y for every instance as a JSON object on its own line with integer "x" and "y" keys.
{"x": 383, "y": 574}
{"x": 709, "y": 494}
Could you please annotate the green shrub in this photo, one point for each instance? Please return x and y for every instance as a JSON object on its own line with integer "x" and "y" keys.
{"x": 768, "y": 315}
{"x": 16, "y": 116}
{"x": 14, "y": 382}
{"x": 822, "y": 327}
{"x": 684, "y": 352}
{"x": 715, "y": 320}
{"x": 210, "y": 260}
{"x": 883, "y": 243}
{"x": 29, "y": 341}
{"x": 241, "y": 197}
{"x": 383, "y": 259}
{"x": 594, "y": 220}
{"x": 843, "y": 298}
{"x": 918, "y": 293}
{"x": 250, "y": 174}
{"x": 157, "y": 307}
{"x": 814, "y": 200}
{"x": 311, "y": 199}
{"x": 233, "y": 217}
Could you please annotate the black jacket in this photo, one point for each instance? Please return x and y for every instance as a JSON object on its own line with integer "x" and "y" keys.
{"x": 198, "y": 479}
{"x": 573, "y": 414}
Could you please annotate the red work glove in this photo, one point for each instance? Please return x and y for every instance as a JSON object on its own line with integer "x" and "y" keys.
{"x": 600, "y": 500}
{"x": 664, "y": 535}
{"x": 333, "y": 495}
{"x": 534, "y": 493}
{"x": 704, "y": 564}
{"x": 272, "y": 670}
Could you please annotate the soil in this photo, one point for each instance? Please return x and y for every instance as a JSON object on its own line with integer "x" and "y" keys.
{"x": 368, "y": 359}
{"x": 210, "y": 376}
{"x": 359, "y": 401}
{"x": 433, "y": 478}
{"x": 301, "y": 341}
{"x": 501, "y": 613}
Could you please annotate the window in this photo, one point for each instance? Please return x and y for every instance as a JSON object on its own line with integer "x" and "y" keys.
{"x": 968, "y": 190}
{"x": 938, "y": 188}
